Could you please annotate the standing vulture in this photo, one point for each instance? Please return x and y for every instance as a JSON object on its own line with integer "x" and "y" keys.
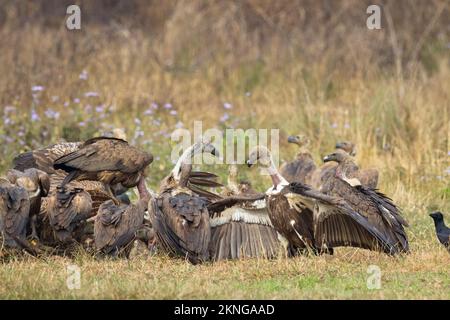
{"x": 367, "y": 177}
{"x": 43, "y": 159}
{"x": 108, "y": 160}
{"x": 178, "y": 215}
{"x": 295, "y": 225}
{"x": 37, "y": 185}
{"x": 14, "y": 214}
{"x": 442, "y": 231}
{"x": 338, "y": 223}
{"x": 380, "y": 211}
{"x": 116, "y": 225}
{"x": 240, "y": 224}
{"x": 302, "y": 167}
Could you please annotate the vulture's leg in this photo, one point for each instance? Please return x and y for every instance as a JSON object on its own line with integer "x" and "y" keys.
{"x": 34, "y": 235}
{"x": 112, "y": 195}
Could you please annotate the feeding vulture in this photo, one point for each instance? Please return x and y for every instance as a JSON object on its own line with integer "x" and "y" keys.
{"x": 295, "y": 225}
{"x": 14, "y": 214}
{"x": 337, "y": 222}
{"x": 240, "y": 224}
{"x": 302, "y": 167}
{"x": 179, "y": 216}
{"x": 67, "y": 210}
{"x": 116, "y": 225}
{"x": 37, "y": 185}
{"x": 108, "y": 160}
{"x": 442, "y": 231}
{"x": 378, "y": 208}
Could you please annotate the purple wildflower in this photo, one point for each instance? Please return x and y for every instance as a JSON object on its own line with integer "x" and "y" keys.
{"x": 76, "y": 100}
{"x": 91, "y": 94}
{"x": 83, "y": 75}
{"x": 148, "y": 112}
{"x": 228, "y": 106}
{"x": 225, "y": 117}
{"x": 51, "y": 114}
{"x": 100, "y": 108}
{"x": 34, "y": 116}
{"x": 334, "y": 125}
{"x": 173, "y": 112}
{"x": 37, "y": 88}
{"x": 168, "y": 106}
{"x": 9, "y": 109}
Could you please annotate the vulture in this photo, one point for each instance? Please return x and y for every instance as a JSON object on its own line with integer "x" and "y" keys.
{"x": 64, "y": 212}
{"x": 67, "y": 210}
{"x": 338, "y": 223}
{"x": 179, "y": 216}
{"x": 14, "y": 214}
{"x": 380, "y": 210}
{"x": 37, "y": 185}
{"x": 302, "y": 167}
{"x": 43, "y": 159}
{"x": 368, "y": 177}
{"x": 108, "y": 160}
{"x": 240, "y": 224}
{"x": 442, "y": 231}
{"x": 294, "y": 225}
{"x": 116, "y": 225}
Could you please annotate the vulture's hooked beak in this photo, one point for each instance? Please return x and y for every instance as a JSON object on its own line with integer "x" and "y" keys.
{"x": 340, "y": 145}
{"x": 327, "y": 158}
{"x": 249, "y": 163}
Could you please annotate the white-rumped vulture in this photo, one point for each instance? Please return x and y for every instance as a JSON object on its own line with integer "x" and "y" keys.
{"x": 240, "y": 224}
{"x": 179, "y": 216}
{"x": 116, "y": 225}
{"x": 295, "y": 225}
{"x": 303, "y": 166}
{"x": 359, "y": 219}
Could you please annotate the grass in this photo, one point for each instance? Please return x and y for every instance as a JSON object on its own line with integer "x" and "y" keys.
{"x": 110, "y": 75}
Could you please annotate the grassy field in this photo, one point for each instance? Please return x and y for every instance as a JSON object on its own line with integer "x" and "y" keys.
{"x": 387, "y": 90}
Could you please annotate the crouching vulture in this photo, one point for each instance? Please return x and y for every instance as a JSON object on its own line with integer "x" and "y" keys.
{"x": 380, "y": 211}
{"x": 240, "y": 224}
{"x": 14, "y": 214}
{"x": 116, "y": 225}
{"x": 37, "y": 185}
{"x": 179, "y": 216}
{"x": 303, "y": 166}
{"x": 338, "y": 222}
{"x": 294, "y": 225}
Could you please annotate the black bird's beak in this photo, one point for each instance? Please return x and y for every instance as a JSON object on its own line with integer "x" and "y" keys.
{"x": 249, "y": 163}
{"x": 292, "y": 139}
{"x": 327, "y": 159}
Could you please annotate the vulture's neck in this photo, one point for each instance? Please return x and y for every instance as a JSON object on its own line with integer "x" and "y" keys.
{"x": 185, "y": 157}
{"x": 277, "y": 179}
{"x": 144, "y": 194}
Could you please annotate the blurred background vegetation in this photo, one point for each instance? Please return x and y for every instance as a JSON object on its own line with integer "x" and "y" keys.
{"x": 303, "y": 66}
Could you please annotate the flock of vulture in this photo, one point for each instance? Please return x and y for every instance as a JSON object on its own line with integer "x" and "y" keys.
{"x": 72, "y": 194}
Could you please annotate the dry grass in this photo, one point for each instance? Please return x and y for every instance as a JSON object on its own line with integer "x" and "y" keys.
{"x": 330, "y": 80}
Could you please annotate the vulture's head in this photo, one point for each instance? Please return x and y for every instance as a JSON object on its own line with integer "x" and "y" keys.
{"x": 437, "y": 216}
{"x": 300, "y": 140}
{"x": 34, "y": 181}
{"x": 204, "y": 147}
{"x": 347, "y": 146}
{"x": 336, "y": 156}
{"x": 259, "y": 155}
{"x": 118, "y": 133}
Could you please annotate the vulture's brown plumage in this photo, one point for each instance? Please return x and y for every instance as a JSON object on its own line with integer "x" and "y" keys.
{"x": 295, "y": 225}
{"x": 67, "y": 210}
{"x": 303, "y": 166}
{"x": 338, "y": 222}
{"x": 380, "y": 211}
{"x": 367, "y": 177}
{"x": 178, "y": 215}
{"x": 14, "y": 214}
{"x": 116, "y": 225}
{"x": 109, "y": 160}
{"x": 240, "y": 224}
{"x": 37, "y": 185}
